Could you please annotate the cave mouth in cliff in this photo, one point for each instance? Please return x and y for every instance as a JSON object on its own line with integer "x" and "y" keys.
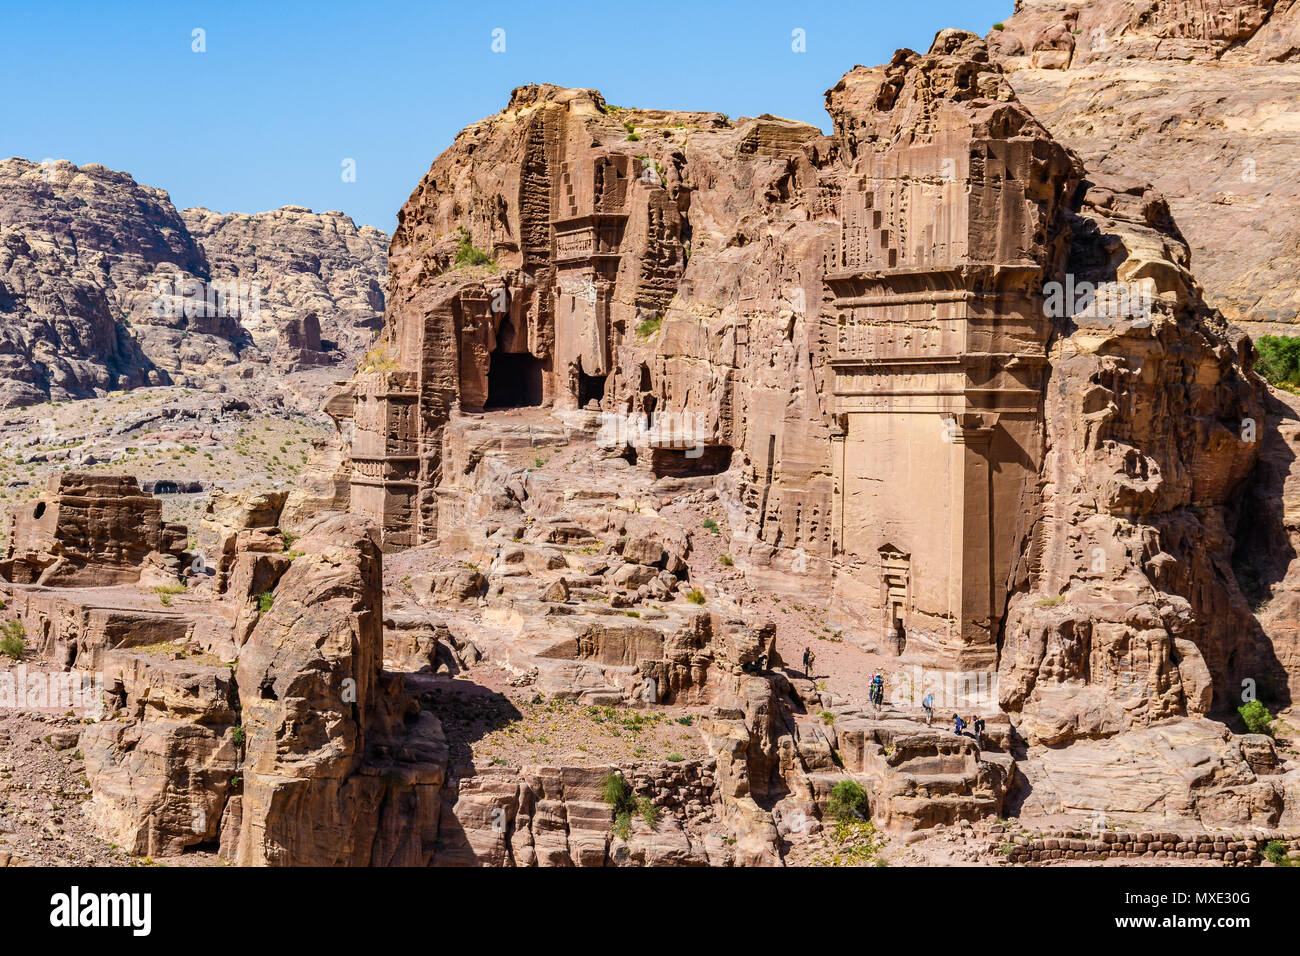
{"x": 591, "y": 388}
{"x": 678, "y": 463}
{"x": 514, "y": 380}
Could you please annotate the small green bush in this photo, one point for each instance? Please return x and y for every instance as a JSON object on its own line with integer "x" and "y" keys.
{"x": 1257, "y": 718}
{"x": 623, "y": 825}
{"x": 710, "y": 525}
{"x": 649, "y": 812}
{"x": 649, "y": 327}
{"x": 467, "y": 254}
{"x": 614, "y": 790}
{"x": 265, "y": 601}
{"x": 727, "y": 561}
{"x": 13, "y": 639}
{"x": 848, "y": 801}
{"x": 696, "y": 596}
{"x": 1275, "y": 853}
{"x": 237, "y": 735}
{"x": 1279, "y": 360}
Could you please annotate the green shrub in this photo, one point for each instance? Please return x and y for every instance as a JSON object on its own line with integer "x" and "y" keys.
{"x": 696, "y": 596}
{"x": 467, "y": 254}
{"x": 1256, "y": 717}
{"x": 1275, "y": 853}
{"x": 649, "y": 812}
{"x": 727, "y": 561}
{"x": 710, "y": 525}
{"x": 13, "y": 639}
{"x": 614, "y": 790}
{"x": 649, "y": 327}
{"x": 265, "y": 601}
{"x": 674, "y": 757}
{"x": 848, "y": 801}
{"x": 237, "y": 735}
{"x": 623, "y": 825}
{"x": 1279, "y": 360}
{"x": 999, "y": 26}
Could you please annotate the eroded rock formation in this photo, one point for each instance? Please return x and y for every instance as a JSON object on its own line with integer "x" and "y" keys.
{"x": 1207, "y": 87}
{"x": 319, "y": 276}
{"x": 862, "y": 333}
{"x": 104, "y": 286}
{"x": 91, "y": 530}
{"x": 955, "y": 396}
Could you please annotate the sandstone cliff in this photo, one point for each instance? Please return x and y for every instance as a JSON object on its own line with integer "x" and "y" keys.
{"x": 649, "y": 382}
{"x": 1196, "y": 98}
{"x": 78, "y": 246}
{"x": 777, "y": 290}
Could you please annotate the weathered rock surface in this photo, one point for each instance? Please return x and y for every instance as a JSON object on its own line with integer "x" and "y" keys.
{"x": 92, "y": 530}
{"x": 78, "y": 247}
{"x": 104, "y": 285}
{"x": 320, "y": 277}
{"x": 334, "y": 774}
{"x": 1131, "y": 611}
{"x": 609, "y": 330}
{"x": 162, "y": 769}
{"x": 1086, "y": 427}
{"x": 1196, "y": 98}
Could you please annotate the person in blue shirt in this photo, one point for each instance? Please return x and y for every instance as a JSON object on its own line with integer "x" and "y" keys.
{"x": 928, "y": 703}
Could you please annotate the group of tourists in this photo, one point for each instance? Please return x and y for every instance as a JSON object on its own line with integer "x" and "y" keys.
{"x": 876, "y": 694}
{"x": 976, "y": 726}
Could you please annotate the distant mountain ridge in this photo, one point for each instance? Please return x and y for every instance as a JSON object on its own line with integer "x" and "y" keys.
{"x": 105, "y": 285}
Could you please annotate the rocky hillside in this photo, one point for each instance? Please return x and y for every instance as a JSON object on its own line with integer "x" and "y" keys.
{"x": 104, "y": 286}
{"x": 1199, "y": 99}
{"x": 680, "y": 433}
{"x": 724, "y": 295}
{"x": 79, "y": 246}
{"x": 305, "y": 264}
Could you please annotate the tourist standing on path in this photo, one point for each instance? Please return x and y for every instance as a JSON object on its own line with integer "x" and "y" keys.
{"x": 928, "y": 703}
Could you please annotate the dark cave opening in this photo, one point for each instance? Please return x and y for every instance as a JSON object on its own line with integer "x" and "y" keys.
{"x": 680, "y": 463}
{"x": 514, "y": 380}
{"x": 590, "y": 388}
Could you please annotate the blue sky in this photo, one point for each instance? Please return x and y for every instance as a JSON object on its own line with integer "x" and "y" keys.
{"x": 287, "y": 91}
